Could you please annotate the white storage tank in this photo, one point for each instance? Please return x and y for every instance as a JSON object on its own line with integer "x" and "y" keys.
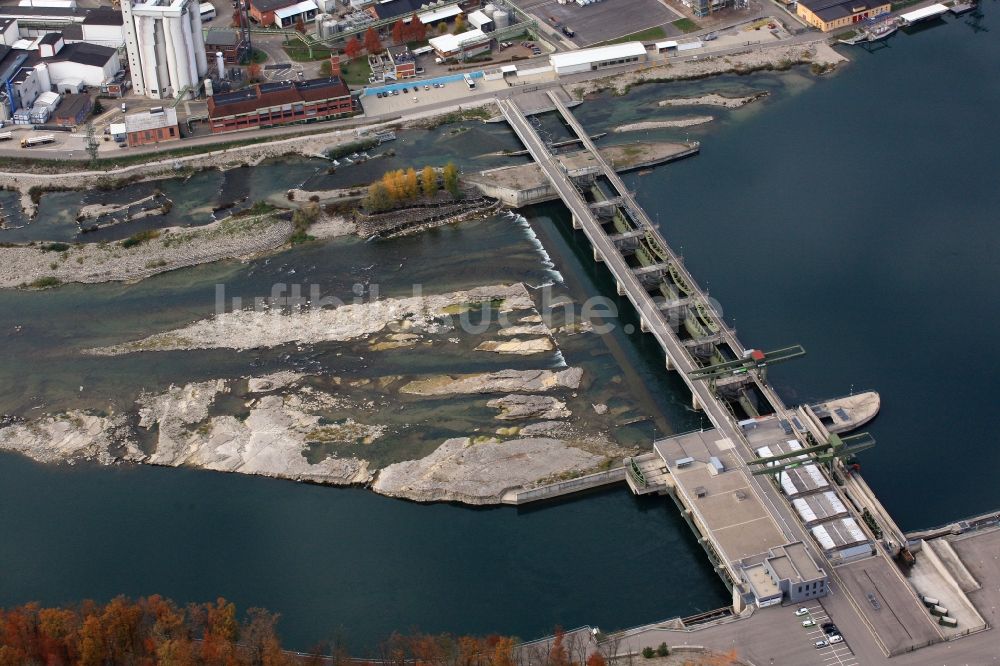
{"x": 501, "y": 19}
{"x": 42, "y": 74}
{"x": 490, "y": 8}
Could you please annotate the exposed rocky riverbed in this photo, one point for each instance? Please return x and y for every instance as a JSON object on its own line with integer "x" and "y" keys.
{"x": 507, "y": 428}
{"x": 47, "y": 265}
{"x": 663, "y": 124}
{"x": 248, "y": 329}
{"x": 714, "y": 99}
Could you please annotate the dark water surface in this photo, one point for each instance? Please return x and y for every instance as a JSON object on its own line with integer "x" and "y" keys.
{"x": 856, "y": 215}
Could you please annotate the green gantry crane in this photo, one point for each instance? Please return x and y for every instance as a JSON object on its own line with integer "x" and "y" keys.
{"x": 755, "y": 358}
{"x": 836, "y": 447}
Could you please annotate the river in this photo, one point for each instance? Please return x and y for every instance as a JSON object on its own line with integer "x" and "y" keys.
{"x": 853, "y": 214}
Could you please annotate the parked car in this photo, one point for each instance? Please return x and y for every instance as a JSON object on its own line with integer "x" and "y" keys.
{"x": 809, "y": 623}
{"x": 821, "y": 644}
{"x": 802, "y": 611}
{"x": 830, "y": 628}
{"x": 406, "y": 90}
{"x": 568, "y": 32}
{"x": 426, "y": 87}
{"x": 836, "y": 638}
{"x": 395, "y": 92}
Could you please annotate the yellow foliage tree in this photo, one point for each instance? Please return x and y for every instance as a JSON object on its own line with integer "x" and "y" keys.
{"x": 411, "y": 184}
{"x": 429, "y": 181}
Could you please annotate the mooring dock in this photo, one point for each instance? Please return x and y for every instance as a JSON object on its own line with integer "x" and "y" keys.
{"x": 770, "y": 498}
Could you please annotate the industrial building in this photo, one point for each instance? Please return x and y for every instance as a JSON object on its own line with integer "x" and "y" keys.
{"x": 32, "y": 68}
{"x": 830, "y": 15}
{"x": 157, "y": 125}
{"x": 585, "y": 60}
{"x": 785, "y": 573}
{"x": 283, "y": 103}
{"x": 165, "y": 45}
{"x": 101, "y": 25}
{"x": 229, "y": 43}
{"x": 284, "y": 13}
{"x": 73, "y": 110}
{"x": 463, "y": 45}
{"x": 287, "y": 17}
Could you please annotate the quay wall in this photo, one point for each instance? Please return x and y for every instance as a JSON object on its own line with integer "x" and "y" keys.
{"x": 561, "y": 488}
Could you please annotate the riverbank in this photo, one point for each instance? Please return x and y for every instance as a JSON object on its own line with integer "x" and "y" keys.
{"x": 760, "y": 58}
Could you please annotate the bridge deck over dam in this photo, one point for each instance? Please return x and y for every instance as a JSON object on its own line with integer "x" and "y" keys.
{"x": 857, "y": 537}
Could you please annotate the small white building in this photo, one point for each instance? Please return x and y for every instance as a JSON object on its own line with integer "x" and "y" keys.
{"x": 585, "y": 60}
{"x": 89, "y": 63}
{"x": 9, "y": 32}
{"x": 463, "y": 45}
{"x": 103, "y": 26}
{"x": 439, "y": 14}
{"x": 287, "y": 17}
{"x": 479, "y": 19}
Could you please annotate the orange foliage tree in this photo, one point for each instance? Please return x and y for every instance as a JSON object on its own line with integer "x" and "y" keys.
{"x": 372, "y": 43}
{"x": 352, "y": 48}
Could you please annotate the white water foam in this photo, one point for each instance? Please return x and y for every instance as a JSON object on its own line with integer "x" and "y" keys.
{"x": 550, "y": 266}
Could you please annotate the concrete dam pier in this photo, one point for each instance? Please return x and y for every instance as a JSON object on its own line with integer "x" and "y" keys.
{"x": 771, "y": 492}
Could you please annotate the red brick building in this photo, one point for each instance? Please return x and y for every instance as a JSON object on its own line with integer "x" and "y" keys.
{"x": 157, "y": 125}
{"x": 283, "y": 103}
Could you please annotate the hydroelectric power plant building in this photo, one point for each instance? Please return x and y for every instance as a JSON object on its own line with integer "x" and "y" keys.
{"x": 165, "y": 45}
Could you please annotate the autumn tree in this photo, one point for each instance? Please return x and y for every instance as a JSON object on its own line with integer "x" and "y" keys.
{"x": 352, "y": 48}
{"x": 459, "y": 23}
{"x": 372, "y": 42}
{"x": 596, "y": 659}
{"x": 412, "y": 183}
{"x": 417, "y": 31}
{"x": 378, "y": 198}
{"x": 557, "y": 653}
{"x": 300, "y": 25}
{"x": 399, "y": 32}
{"x": 253, "y": 72}
{"x": 450, "y": 177}
{"x": 429, "y": 181}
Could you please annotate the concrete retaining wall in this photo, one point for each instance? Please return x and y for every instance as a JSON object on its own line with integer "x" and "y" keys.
{"x": 569, "y": 487}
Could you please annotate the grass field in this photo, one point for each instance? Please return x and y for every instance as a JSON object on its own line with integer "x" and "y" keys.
{"x": 646, "y": 35}
{"x": 299, "y": 52}
{"x": 356, "y": 72}
{"x": 686, "y": 25}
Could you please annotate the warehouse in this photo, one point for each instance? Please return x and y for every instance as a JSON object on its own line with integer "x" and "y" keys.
{"x": 830, "y": 15}
{"x": 73, "y": 110}
{"x": 287, "y": 17}
{"x": 586, "y": 60}
{"x": 464, "y": 45}
{"x": 157, "y": 125}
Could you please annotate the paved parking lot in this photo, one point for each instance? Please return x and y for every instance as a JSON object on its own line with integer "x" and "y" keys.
{"x": 453, "y": 91}
{"x": 602, "y": 21}
{"x": 835, "y": 654}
